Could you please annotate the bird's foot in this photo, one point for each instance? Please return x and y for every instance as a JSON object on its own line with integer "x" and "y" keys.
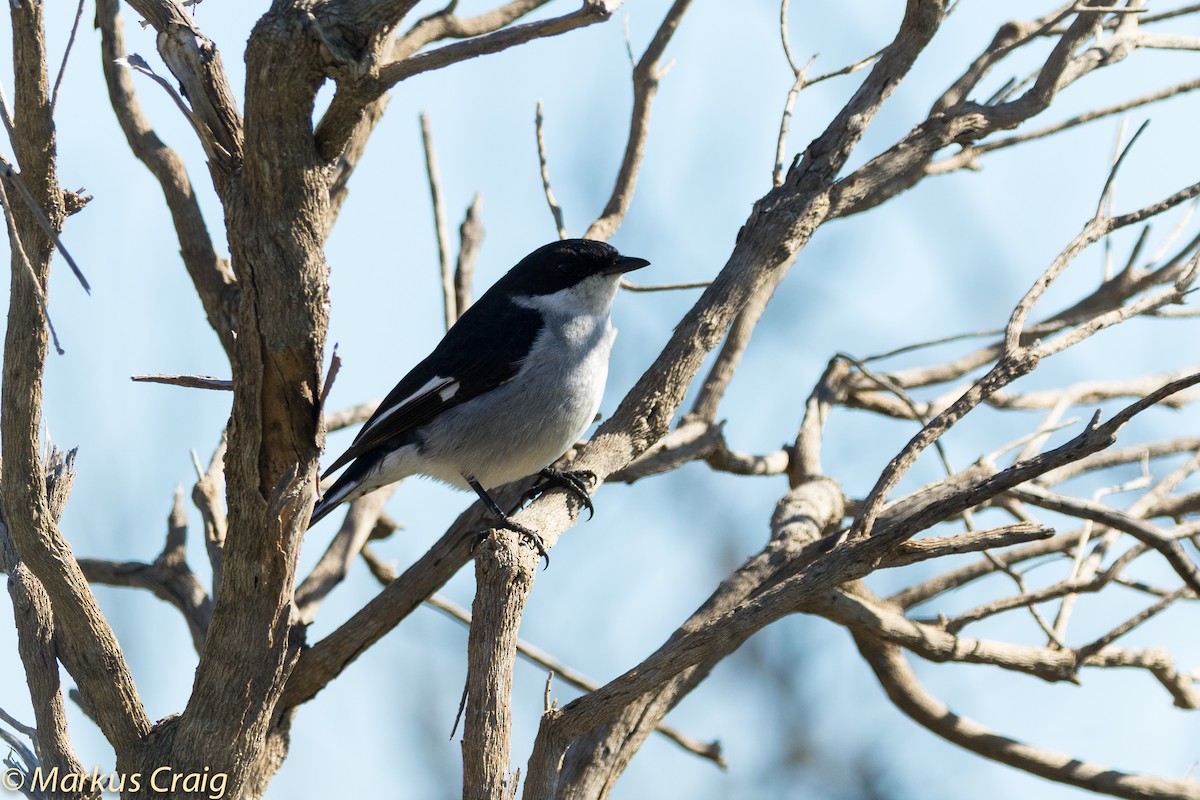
{"x": 531, "y": 537}
{"x": 575, "y": 481}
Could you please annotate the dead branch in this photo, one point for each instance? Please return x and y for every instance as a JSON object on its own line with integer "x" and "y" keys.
{"x": 906, "y": 692}
{"x": 84, "y": 641}
{"x": 187, "y": 381}
{"x": 35, "y": 645}
{"x": 555, "y": 209}
{"x": 916, "y": 550}
{"x": 1144, "y": 532}
{"x": 210, "y": 274}
{"x": 339, "y": 122}
{"x": 646, "y": 75}
{"x": 326, "y": 659}
{"x": 343, "y": 549}
{"x": 195, "y": 62}
{"x": 168, "y": 577}
{"x": 470, "y": 239}
{"x": 445, "y": 24}
{"x": 441, "y": 232}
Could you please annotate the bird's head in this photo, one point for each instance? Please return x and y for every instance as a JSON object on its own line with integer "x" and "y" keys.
{"x": 570, "y": 263}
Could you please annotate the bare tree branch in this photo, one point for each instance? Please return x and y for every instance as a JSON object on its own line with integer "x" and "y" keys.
{"x": 35, "y": 646}
{"x": 439, "y": 223}
{"x": 445, "y": 24}
{"x": 62, "y": 67}
{"x": 470, "y": 239}
{"x": 904, "y": 690}
{"x": 281, "y": 182}
{"x": 85, "y": 642}
{"x": 195, "y": 62}
{"x": 344, "y": 548}
{"x": 646, "y": 75}
{"x": 339, "y": 121}
{"x": 555, "y": 210}
{"x": 187, "y": 381}
{"x": 210, "y": 274}
{"x": 915, "y": 550}
{"x": 168, "y": 577}
{"x": 326, "y": 659}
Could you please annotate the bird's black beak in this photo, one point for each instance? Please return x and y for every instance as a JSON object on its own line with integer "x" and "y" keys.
{"x": 627, "y": 264}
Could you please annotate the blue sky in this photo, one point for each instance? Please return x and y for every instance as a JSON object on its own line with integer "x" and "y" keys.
{"x": 950, "y": 256}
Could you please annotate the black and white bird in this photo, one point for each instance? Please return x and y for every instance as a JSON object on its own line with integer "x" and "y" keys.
{"x": 508, "y": 390}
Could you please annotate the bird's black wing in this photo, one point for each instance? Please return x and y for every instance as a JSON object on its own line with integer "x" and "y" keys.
{"x": 473, "y": 358}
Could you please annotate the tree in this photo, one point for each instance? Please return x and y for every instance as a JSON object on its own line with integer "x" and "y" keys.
{"x": 280, "y": 162}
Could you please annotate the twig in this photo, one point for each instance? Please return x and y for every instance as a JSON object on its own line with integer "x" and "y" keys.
{"x": 589, "y": 13}
{"x": 334, "y": 564}
{"x": 138, "y": 64}
{"x": 534, "y": 655}
{"x": 720, "y": 374}
{"x": 439, "y": 223}
{"x": 1164, "y": 15}
{"x": 350, "y": 416}
{"x": 888, "y": 385}
{"x": 38, "y": 294}
{"x": 1092, "y": 231}
{"x": 801, "y": 83}
{"x": 40, "y": 215}
{"x": 1144, "y": 532}
{"x": 62, "y": 67}
{"x": 908, "y": 348}
{"x": 1181, "y": 225}
{"x": 17, "y": 745}
{"x": 799, "y": 74}
{"x": 646, "y": 75}
{"x": 445, "y": 25}
{"x": 1125, "y": 627}
{"x": 555, "y": 209}
{"x": 907, "y": 693}
{"x": 187, "y": 381}
{"x": 1107, "y": 203}
{"x": 1004, "y": 372}
{"x": 335, "y": 365}
{"x": 211, "y": 274}
{"x": 664, "y": 287}
{"x": 470, "y": 238}
{"x": 1086, "y": 568}
{"x": 966, "y": 157}
{"x": 1106, "y": 192}
{"x": 19, "y": 726}
{"x": 916, "y": 550}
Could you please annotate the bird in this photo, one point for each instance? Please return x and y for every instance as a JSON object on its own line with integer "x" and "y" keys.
{"x": 509, "y": 389}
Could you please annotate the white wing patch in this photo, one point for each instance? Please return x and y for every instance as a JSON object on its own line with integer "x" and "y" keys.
{"x": 445, "y": 387}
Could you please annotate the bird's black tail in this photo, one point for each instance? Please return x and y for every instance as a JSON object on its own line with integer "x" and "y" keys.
{"x": 343, "y": 489}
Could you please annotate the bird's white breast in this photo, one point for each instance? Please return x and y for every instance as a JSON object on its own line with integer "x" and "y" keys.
{"x": 522, "y": 426}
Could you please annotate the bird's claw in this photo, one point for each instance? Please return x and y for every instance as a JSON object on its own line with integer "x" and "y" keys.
{"x": 575, "y": 481}
{"x": 531, "y": 537}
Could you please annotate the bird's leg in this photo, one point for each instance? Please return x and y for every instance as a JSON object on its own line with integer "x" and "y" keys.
{"x": 574, "y": 481}
{"x": 530, "y": 535}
